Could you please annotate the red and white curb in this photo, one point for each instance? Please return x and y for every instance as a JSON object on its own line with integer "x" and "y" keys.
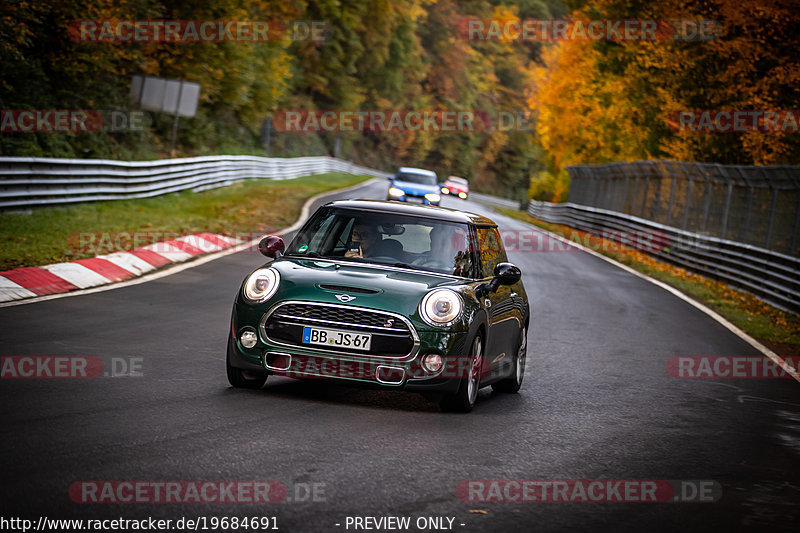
{"x": 29, "y": 282}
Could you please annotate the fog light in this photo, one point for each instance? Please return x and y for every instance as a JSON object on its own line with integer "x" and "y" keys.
{"x": 432, "y": 363}
{"x": 248, "y": 338}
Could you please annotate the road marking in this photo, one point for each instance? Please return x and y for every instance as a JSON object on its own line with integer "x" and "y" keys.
{"x": 129, "y": 262}
{"x": 198, "y": 260}
{"x": 78, "y": 275}
{"x": 201, "y": 243}
{"x": 165, "y": 249}
{"x": 11, "y": 291}
{"x": 38, "y": 281}
{"x": 105, "y": 268}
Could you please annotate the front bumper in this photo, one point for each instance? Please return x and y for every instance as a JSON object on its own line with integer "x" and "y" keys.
{"x": 403, "y": 373}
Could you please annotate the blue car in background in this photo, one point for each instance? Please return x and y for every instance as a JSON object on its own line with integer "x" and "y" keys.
{"x": 414, "y": 184}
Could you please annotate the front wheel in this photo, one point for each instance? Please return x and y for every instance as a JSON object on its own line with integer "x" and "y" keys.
{"x": 242, "y": 379}
{"x": 464, "y": 400}
{"x": 514, "y": 381}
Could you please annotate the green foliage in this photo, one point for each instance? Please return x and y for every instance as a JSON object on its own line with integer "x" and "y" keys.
{"x": 57, "y": 234}
{"x": 377, "y": 55}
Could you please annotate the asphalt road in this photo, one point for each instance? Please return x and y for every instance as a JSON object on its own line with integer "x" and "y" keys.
{"x": 597, "y": 403}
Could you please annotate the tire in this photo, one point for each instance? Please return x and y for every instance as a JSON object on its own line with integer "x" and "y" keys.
{"x": 512, "y": 383}
{"x": 242, "y": 379}
{"x": 464, "y": 400}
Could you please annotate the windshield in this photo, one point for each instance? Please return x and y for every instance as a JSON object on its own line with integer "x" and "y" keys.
{"x": 424, "y": 179}
{"x": 384, "y": 238}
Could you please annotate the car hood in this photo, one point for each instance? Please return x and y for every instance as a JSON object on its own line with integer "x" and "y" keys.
{"x": 396, "y": 290}
{"x": 417, "y": 189}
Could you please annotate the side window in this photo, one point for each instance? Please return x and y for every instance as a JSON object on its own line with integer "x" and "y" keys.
{"x": 490, "y": 249}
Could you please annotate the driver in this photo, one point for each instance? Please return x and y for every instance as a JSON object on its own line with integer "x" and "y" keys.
{"x": 366, "y": 235}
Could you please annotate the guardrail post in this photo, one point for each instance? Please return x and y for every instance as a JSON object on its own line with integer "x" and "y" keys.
{"x": 657, "y": 195}
{"x": 772, "y": 203}
{"x": 595, "y": 187}
{"x": 626, "y": 202}
{"x": 707, "y": 203}
{"x": 748, "y": 206}
{"x": 796, "y": 225}
{"x": 727, "y": 209}
{"x": 671, "y": 196}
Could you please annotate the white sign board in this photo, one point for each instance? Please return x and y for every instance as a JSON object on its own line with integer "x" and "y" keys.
{"x": 175, "y": 97}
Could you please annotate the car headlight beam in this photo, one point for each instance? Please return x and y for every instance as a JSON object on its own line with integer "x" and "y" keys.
{"x": 261, "y": 285}
{"x": 433, "y": 197}
{"x": 394, "y": 191}
{"x": 441, "y": 307}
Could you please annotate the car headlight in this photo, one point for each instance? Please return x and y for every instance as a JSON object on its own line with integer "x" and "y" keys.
{"x": 462, "y": 195}
{"x": 261, "y": 285}
{"x": 394, "y": 191}
{"x": 441, "y": 307}
{"x": 433, "y": 197}
{"x": 445, "y": 190}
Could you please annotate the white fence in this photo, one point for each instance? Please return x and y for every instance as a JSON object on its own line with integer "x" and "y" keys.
{"x": 33, "y": 181}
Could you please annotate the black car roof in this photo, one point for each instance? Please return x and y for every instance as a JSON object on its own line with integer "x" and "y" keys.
{"x": 428, "y": 211}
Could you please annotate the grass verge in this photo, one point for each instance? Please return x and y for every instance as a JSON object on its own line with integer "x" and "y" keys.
{"x": 57, "y": 234}
{"x": 777, "y": 329}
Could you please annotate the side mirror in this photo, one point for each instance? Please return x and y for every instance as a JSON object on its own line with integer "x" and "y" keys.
{"x": 272, "y": 246}
{"x": 507, "y": 273}
{"x": 504, "y": 274}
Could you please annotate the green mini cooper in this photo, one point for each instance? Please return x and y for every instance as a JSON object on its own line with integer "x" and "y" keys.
{"x": 389, "y": 295}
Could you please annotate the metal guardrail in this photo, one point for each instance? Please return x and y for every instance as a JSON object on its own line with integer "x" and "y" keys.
{"x": 32, "y": 181}
{"x": 769, "y": 275}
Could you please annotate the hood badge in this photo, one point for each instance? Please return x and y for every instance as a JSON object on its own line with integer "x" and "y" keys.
{"x": 344, "y": 298}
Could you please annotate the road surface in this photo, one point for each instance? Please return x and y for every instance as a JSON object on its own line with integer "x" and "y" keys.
{"x": 597, "y": 404}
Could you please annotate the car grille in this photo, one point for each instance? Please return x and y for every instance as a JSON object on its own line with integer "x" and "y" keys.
{"x": 391, "y": 336}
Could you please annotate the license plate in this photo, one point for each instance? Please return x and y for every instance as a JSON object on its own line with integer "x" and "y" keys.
{"x": 337, "y": 337}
